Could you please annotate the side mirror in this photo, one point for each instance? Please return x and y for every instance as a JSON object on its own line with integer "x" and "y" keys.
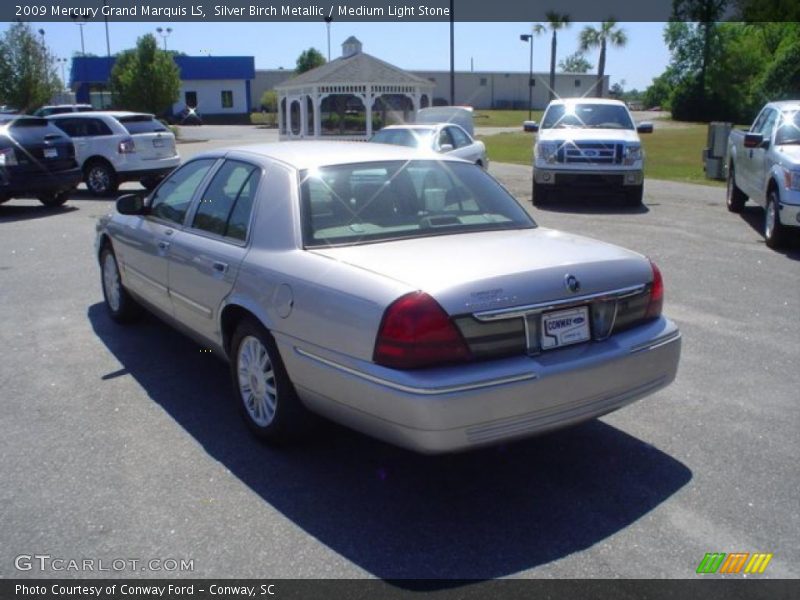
{"x": 753, "y": 140}
{"x": 645, "y": 127}
{"x": 446, "y": 148}
{"x": 530, "y": 126}
{"x": 131, "y": 204}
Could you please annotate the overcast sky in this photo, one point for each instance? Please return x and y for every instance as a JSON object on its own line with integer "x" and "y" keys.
{"x": 489, "y": 46}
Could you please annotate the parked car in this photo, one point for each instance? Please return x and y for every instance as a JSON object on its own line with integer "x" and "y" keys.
{"x": 588, "y": 146}
{"x": 8, "y": 110}
{"x": 36, "y": 159}
{"x": 113, "y": 147}
{"x": 440, "y": 137}
{"x": 59, "y": 109}
{"x": 764, "y": 165}
{"x": 405, "y": 295}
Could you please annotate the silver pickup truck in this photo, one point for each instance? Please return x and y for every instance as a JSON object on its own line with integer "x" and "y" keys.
{"x": 764, "y": 165}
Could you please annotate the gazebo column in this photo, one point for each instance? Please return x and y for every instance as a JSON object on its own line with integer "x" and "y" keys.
{"x": 281, "y": 115}
{"x": 317, "y": 104}
{"x": 303, "y": 116}
{"x": 368, "y": 100}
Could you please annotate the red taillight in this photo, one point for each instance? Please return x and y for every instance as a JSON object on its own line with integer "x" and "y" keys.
{"x": 656, "y": 302}
{"x": 416, "y": 332}
{"x": 127, "y": 146}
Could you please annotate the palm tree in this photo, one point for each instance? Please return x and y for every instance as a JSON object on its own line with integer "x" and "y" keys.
{"x": 555, "y": 22}
{"x": 608, "y": 33}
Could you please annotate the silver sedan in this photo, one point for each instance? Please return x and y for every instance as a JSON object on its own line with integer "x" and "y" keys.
{"x": 445, "y": 138}
{"x": 407, "y": 296}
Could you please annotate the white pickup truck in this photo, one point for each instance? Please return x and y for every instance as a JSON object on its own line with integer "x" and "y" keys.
{"x": 588, "y": 146}
{"x": 764, "y": 165}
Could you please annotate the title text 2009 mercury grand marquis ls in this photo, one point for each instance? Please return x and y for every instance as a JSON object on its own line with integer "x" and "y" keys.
{"x": 404, "y": 295}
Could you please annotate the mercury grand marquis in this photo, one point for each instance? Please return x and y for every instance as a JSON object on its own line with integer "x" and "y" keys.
{"x": 405, "y": 295}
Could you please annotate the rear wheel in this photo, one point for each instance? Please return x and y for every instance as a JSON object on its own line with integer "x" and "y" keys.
{"x": 734, "y": 198}
{"x": 55, "y": 199}
{"x": 121, "y": 307}
{"x": 774, "y": 232}
{"x": 100, "y": 178}
{"x": 265, "y": 395}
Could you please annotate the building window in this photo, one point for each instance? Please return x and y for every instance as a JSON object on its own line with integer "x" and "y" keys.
{"x": 227, "y": 99}
{"x": 483, "y": 81}
{"x": 577, "y": 83}
{"x": 190, "y": 99}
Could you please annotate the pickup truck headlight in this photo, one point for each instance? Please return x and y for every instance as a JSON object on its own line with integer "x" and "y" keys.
{"x": 632, "y": 154}
{"x": 547, "y": 151}
{"x": 791, "y": 179}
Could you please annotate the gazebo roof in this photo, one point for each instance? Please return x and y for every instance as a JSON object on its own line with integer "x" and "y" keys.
{"x": 359, "y": 68}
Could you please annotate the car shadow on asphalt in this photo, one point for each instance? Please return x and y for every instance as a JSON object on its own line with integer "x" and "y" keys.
{"x": 10, "y": 212}
{"x": 604, "y": 205}
{"x": 398, "y": 515}
{"x": 754, "y": 216}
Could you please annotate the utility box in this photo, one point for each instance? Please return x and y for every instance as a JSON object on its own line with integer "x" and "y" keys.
{"x": 717, "y": 146}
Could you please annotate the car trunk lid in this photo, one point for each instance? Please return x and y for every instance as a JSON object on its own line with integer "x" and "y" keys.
{"x": 152, "y": 139}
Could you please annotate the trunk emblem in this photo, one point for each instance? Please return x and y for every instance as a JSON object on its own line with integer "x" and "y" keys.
{"x": 572, "y": 284}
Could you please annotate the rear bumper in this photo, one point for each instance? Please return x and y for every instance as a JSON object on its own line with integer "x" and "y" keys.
{"x": 14, "y": 183}
{"x": 459, "y": 408}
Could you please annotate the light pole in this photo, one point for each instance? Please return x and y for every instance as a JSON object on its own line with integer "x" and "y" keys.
{"x": 63, "y": 63}
{"x": 74, "y": 16}
{"x": 452, "y": 56}
{"x": 108, "y": 37}
{"x": 328, "y": 26}
{"x": 527, "y": 37}
{"x": 164, "y": 33}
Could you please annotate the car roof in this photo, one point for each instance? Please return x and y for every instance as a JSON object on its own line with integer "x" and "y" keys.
{"x": 312, "y": 154}
{"x": 786, "y": 105}
{"x": 65, "y": 105}
{"x": 428, "y": 126}
{"x": 588, "y": 101}
{"x": 100, "y": 113}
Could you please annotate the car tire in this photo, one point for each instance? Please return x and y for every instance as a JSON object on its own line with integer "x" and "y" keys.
{"x": 266, "y": 397}
{"x": 540, "y": 194}
{"x": 634, "y": 196}
{"x": 150, "y": 183}
{"x": 54, "y": 200}
{"x": 774, "y": 231}
{"x": 100, "y": 178}
{"x": 122, "y": 308}
{"x": 735, "y": 198}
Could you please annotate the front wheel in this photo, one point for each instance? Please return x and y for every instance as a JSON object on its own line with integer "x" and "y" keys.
{"x": 734, "y": 198}
{"x": 53, "y": 200}
{"x": 774, "y": 231}
{"x": 266, "y": 397}
{"x": 121, "y": 307}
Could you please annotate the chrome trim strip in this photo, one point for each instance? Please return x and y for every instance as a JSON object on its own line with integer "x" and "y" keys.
{"x": 657, "y": 343}
{"x": 417, "y": 390}
{"x": 522, "y": 311}
{"x": 206, "y": 312}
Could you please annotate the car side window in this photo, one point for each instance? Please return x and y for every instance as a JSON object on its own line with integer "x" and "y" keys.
{"x": 769, "y": 124}
{"x": 445, "y": 138}
{"x": 459, "y": 137}
{"x": 68, "y": 126}
{"x": 759, "y": 122}
{"x": 228, "y": 201}
{"x": 173, "y": 197}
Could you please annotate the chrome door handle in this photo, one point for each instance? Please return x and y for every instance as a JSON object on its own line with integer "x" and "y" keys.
{"x": 162, "y": 245}
{"x": 220, "y": 267}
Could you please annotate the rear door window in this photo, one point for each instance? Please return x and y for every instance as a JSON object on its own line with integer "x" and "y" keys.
{"x": 174, "y": 195}
{"x": 227, "y": 202}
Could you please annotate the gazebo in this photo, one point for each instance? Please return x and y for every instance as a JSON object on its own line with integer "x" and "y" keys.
{"x": 349, "y": 97}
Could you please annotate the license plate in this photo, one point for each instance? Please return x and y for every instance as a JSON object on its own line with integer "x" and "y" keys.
{"x": 565, "y": 327}
{"x": 158, "y": 143}
{"x": 51, "y": 153}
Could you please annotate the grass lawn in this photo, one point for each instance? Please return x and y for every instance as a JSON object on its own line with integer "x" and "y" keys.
{"x": 672, "y": 153}
{"x": 504, "y": 118}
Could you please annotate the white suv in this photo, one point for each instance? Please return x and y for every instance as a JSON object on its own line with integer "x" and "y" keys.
{"x": 112, "y": 147}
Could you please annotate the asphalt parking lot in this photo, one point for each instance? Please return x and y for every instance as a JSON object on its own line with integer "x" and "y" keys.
{"x": 125, "y": 442}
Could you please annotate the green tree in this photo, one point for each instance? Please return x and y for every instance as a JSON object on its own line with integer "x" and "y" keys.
{"x": 27, "y": 76}
{"x": 555, "y": 22}
{"x": 309, "y": 59}
{"x": 269, "y": 101}
{"x": 575, "y": 63}
{"x": 659, "y": 92}
{"x": 607, "y": 33}
{"x": 145, "y": 78}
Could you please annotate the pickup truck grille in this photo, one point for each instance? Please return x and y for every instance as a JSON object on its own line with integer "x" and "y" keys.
{"x": 592, "y": 153}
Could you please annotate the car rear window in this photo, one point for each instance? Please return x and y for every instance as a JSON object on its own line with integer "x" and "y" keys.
{"x": 373, "y": 202}
{"x": 142, "y": 124}
{"x": 403, "y": 137}
{"x": 19, "y": 122}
